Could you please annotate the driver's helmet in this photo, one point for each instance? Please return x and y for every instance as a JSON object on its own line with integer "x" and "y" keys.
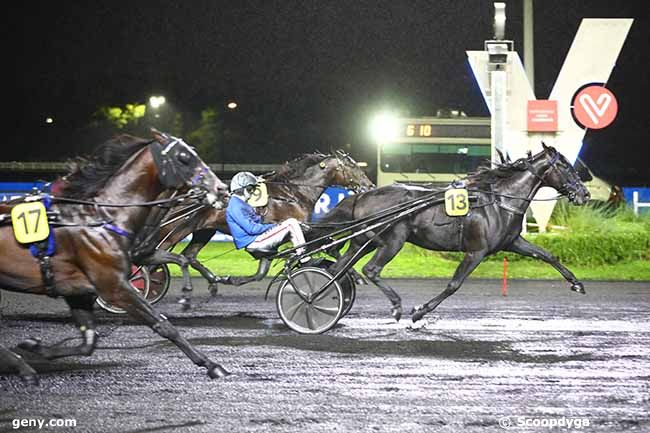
{"x": 242, "y": 181}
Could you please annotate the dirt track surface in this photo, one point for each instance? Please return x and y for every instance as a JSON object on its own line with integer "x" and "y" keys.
{"x": 540, "y": 352}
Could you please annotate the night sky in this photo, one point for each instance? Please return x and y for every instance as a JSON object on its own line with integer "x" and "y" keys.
{"x": 319, "y": 69}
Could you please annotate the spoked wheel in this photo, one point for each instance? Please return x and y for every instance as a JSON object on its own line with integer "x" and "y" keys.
{"x": 160, "y": 278}
{"x": 348, "y": 286}
{"x": 302, "y": 308}
{"x": 349, "y": 293}
{"x": 139, "y": 280}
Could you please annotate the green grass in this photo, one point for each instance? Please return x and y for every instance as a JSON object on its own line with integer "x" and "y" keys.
{"x": 413, "y": 262}
{"x": 595, "y": 242}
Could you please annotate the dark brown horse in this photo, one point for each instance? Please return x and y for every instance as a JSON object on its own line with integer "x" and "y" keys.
{"x": 493, "y": 223}
{"x": 293, "y": 191}
{"x": 93, "y": 237}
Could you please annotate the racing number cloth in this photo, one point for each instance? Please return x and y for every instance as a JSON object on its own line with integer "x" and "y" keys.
{"x": 456, "y": 202}
{"x": 29, "y": 221}
{"x": 260, "y": 196}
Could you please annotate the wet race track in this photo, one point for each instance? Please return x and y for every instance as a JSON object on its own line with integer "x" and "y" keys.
{"x": 541, "y": 354}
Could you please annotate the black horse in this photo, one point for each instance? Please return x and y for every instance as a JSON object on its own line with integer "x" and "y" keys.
{"x": 493, "y": 223}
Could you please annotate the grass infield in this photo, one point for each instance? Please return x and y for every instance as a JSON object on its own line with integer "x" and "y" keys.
{"x": 414, "y": 262}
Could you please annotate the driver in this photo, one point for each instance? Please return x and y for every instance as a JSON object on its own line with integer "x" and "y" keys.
{"x": 246, "y": 225}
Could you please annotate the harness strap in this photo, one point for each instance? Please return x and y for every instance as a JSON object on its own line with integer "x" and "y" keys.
{"x": 47, "y": 273}
{"x": 509, "y": 208}
{"x": 43, "y": 251}
{"x": 118, "y": 230}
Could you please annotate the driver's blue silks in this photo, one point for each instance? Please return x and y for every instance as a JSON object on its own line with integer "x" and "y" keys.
{"x": 244, "y": 223}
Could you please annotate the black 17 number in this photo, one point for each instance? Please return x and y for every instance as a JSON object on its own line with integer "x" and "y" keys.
{"x": 36, "y": 212}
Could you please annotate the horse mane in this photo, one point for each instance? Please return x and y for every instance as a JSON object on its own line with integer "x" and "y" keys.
{"x": 88, "y": 175}
{"x": 297, "y": 166}
{"x": 486, "y": 175}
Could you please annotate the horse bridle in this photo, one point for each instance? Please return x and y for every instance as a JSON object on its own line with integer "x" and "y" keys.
{"x": 568, "y": 188}
{"x": 173, "y": 172}
{"x": 341, "y": 166}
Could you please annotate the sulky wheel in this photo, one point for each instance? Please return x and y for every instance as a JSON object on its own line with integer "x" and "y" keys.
{"x": 349, "y": 293}
{"x": 139, "y": 280}
{"x": 348, "y": 286}
{"x": 159, "y": 279}
{"x": 304, "y": 312}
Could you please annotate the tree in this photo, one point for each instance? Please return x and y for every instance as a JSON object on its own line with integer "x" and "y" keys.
{"x": 208, "y": 137}
{"x": 122, "y": 117}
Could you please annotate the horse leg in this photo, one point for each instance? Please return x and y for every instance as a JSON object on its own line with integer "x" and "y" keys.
{"x": 386, "y": 251}
{"x": 160, "y": 257}
{"x": 469, "y": 263}
{"x": 262, "y": 271}
{"x": 126, "y": 298}
{"x": 525, "y": 248}
{"x": 199, "y": 240}
{"x": 336, "y": 254}
{"x": 26, "y": 372}
{"x": 81, "y": 309}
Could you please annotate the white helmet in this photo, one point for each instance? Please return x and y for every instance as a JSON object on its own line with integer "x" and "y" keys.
{"x": 242, "y": 180}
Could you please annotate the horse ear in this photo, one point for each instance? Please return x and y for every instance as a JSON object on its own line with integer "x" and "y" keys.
{"x": 544, "y": 146}
{"x": 529, "y": 153}
{"x": 160, "y": 137}
{"x": 503, "y": 160}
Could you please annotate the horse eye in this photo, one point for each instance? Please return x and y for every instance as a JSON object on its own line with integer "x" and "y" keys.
{"x": 184, "y": 158}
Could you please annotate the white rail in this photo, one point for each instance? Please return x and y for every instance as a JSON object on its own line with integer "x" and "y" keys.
{"x": 638, "y": 204}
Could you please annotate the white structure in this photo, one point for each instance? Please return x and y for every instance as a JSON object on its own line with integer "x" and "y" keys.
{"x": 638, "y": 204}
{"x": 591, "y": 58}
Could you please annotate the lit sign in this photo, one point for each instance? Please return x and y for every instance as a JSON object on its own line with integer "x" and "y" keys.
{"x": 594, "y": 106}
{"x": 542, "y": 116}
{"x": 418, "y": 130}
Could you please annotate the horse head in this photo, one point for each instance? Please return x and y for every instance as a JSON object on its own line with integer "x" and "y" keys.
{"x": 343, "y": 170}
{"x": 179, "y": 167}
{"x": 558, "y": 173}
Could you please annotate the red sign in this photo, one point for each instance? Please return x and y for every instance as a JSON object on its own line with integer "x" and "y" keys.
{"x": 594, "y": 106}
{"x": 542, "y": 116}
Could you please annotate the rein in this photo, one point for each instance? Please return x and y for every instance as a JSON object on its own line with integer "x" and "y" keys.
{"x": 179, "y": 198}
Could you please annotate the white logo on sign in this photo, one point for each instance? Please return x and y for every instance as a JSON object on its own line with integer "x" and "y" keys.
{"x": 595, "y": 109}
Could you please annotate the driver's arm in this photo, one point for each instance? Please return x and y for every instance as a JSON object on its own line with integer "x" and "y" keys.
{"x": 249, "y": 221}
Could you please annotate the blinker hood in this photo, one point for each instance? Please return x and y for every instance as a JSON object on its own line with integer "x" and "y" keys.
{"x": 176, "y": 163}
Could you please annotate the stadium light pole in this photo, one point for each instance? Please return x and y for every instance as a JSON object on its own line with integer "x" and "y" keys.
{"x": 156, "y": 102}
{"x": 383, "y": 127}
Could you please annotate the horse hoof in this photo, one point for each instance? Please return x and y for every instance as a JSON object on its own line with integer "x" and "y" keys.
{"x": 396, "y": 313}
{"x": 217, "y": 372}
{"x": 31, "y": 345}
{"x": 578, "y": 288}
{"x": 214, "y": 289}
{"x": 185, "y": 304}
{"x": 417, "y": 313}
{"x": 29, "y": 379}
